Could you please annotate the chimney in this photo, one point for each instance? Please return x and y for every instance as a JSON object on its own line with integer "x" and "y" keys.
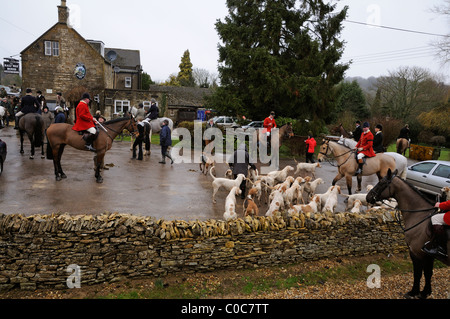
{"x": 63, "y": 12}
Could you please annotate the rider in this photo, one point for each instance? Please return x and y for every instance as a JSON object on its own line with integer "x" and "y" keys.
{"x": 153, "y": 112}
{"x": 436, "y": 247}
{"x": 29, "y": 104}
{"x": 86, "y": 122}
{"x": 364, "y": 147}
{"x": 269, "y": 124}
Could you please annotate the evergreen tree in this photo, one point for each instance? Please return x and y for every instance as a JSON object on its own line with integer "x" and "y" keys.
{"x": 350, "y": 97}
{"x": 279, "y": 55}
{"x": 185, "y": 77}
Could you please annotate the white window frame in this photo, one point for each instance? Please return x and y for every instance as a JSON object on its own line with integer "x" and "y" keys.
{"x": 55, "y": 48}
{"x": 128, "y": 82}
{"x": 51, "y": 48}
{"x": 48, "y": 48}
{"x": 119, "y": 106}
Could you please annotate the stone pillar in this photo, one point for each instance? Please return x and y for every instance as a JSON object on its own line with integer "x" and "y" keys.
{"x": 63, "y": 12}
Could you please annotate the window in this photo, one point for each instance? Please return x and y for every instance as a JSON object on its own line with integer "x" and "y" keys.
{"x": 121, "y": 106}
{"x": 128, "y": 82}
{"x": 147, "y": 105}
{"x": 442, "y": 171}
{"x": 423, "y": 167}
{"x": 51, "y": 48}
{"x": 55, "y": 48}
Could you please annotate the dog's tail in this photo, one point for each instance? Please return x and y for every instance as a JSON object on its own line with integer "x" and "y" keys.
{"x": 210, "y": 172}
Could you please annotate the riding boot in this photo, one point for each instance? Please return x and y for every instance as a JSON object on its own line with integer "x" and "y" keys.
{"x": 163, "y": 161}
{"x": 89, "y": 138}
{"x": 436, "y": 247}
{"x": 16, "y": 122}
{"x": 360, "y": 167}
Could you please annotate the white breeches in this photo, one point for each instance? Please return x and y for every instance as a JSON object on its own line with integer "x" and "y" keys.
{"x": 92, "y": 130}
{"x": 361, "y": 156}
{"x": 438, "y": 219}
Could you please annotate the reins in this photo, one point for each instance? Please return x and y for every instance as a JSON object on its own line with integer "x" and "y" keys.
{"x": 336, "y": 156}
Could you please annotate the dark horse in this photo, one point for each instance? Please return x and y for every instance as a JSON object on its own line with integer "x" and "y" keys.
{"x": 416, "y": 212}
{"x": 33, "y": 125}
{"x": 60, "y": 135}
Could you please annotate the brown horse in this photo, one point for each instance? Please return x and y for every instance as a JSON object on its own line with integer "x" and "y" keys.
{"x": 33, "y": 125}
{"x": 347, "y": 164}
{"x": 342, "y": 131}
{"x": 60, "y": 135}
{"x": 416, "y": 212}
{"x": 402, "y": 146}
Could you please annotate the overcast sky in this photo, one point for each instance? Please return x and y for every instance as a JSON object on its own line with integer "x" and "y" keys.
{"x": 163, "y": 30}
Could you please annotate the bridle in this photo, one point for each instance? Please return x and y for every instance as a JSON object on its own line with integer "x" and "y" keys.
{"x": 380, "y": 187}
{"x": 131, "y": 121}
{"x": 325, "y": 154}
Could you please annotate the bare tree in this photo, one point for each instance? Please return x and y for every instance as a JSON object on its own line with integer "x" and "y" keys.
{"x": 443, "y": 46}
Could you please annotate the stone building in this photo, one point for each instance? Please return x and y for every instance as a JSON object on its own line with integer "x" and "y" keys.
{"x": 61, "y": 60}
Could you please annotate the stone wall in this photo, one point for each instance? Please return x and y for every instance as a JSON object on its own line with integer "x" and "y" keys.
{"x": 36, "y": 251}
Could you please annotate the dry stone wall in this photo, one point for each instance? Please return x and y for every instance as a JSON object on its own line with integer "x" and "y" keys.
{"x": 36, "y": 251}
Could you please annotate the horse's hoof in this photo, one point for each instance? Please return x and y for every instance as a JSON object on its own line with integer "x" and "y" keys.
{"x": 42, "y": 156}
{"x": 31, "y": 157}
{"x": 63, "y": 176}
{"x": 410, "y": 295}
{"x": 58, "y": 178}
{"x": 99, "y": 180}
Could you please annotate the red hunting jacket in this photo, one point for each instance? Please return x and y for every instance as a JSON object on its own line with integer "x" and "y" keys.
{"x": 366, "y": 142}
{"x": 85, "y": 119}
{"x": 269, "y": 124}
{"x": 445, "y": 207}
{"x": 310, "y": 144}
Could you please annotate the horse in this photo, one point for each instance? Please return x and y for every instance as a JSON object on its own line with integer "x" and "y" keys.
{"x": 347, "y": 165}
{"x": 416, "y": 211}
{"x": 33, "y": 125}
{"x": 401, "y": 163}
{"x": 341, "y": 130}
{"x": 402, "y": 145}
{"x": 60, "y": 135}
{"x": 285, "y": 132}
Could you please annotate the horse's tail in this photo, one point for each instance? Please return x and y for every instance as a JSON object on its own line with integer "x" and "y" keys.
{"x": 38, "y": 132}
{"x": 49, "y": 150}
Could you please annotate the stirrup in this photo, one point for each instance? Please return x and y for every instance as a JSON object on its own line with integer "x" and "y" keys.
{"x": 90, "y": 148}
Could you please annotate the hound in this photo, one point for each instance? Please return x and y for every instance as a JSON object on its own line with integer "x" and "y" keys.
{"x": 331, "y": 203}
{"x": 293, "y": 193}
{"x": 230, "y": 204}
{"x": 312, "y": 207}
{"x": 206, "y": 164}
{"x": 356, "y": 206}
{"x": 252, "y": 209}
{"x": 276, "y": 204}
{"x": 323, "y": 197}
{"x": 307, "y": 168}
{"x": 280, "y": 176}
{"x": 226, "y": 183}
{"x": 351, "y": 199}
{"x": 446, "y": 190}
{"x": 256, "y": 189}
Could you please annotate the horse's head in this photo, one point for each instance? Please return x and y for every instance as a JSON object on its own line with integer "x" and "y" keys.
{"x": 289, "y": 130}
{"x": 132, "y": 125}
{"x": 382, "y": 190}
{"x": 324, "y": 150}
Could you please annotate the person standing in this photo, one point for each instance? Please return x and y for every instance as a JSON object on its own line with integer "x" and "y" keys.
{"x": 48, "y": 117}
{"x": 139, "y": 138}
{"x": 28, "y": 104}
{"x": 364, "y": 147}
{"x": 378, "y": 139}
{"x": 165, "y": 140}
{"x": 60, "y": 116}
{"x": 86, "y": 122}
{"x": 310, "y": 148}
{"x": 239, "y": 163}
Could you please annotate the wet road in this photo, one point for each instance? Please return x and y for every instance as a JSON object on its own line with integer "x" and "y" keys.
{"x": 144, "y": 188}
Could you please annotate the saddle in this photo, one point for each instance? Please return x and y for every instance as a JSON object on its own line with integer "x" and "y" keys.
{"x": 85, "y": 134}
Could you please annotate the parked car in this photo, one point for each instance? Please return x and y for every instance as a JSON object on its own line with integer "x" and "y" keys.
{"x": 254, "y": 124}
{"x": 226, "y": 121}
{"x": 429, "y": 176}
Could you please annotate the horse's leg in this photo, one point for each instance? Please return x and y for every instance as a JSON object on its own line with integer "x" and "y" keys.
{"x": 60, "y": 153}
{"x": 31, "y": 138}
{"x": 98, "y": 160}
{"x": 428, "y": 273}
{"x": 359, "y": 179}
{"x": 348, "y": 179}
{"x": 56, "y": 161}
{"x": 418, "y": 268}
{"x": 21, "y": 142}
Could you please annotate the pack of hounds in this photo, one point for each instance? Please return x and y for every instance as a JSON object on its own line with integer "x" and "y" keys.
{"x": 283, "y": 192}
